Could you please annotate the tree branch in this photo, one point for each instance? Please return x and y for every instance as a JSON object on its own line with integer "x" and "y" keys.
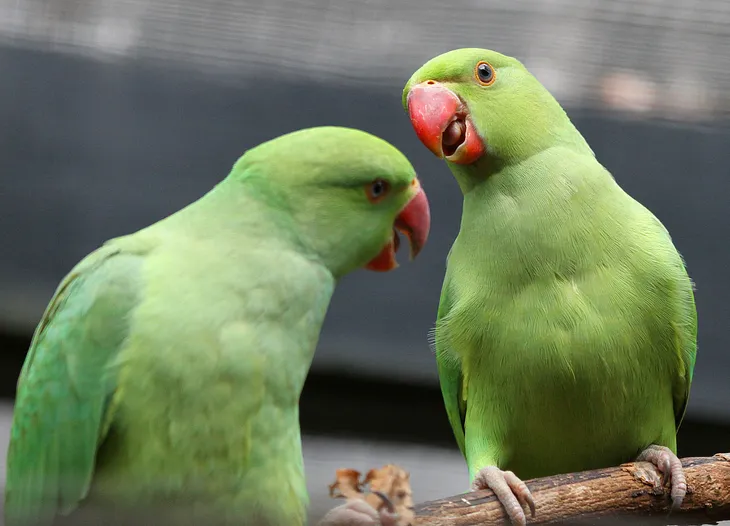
{"x": 600, "y": 496}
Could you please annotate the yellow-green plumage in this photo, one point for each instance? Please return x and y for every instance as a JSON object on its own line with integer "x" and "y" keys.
{"x": 566, "y": 332}
{"x": 165, "y": 374}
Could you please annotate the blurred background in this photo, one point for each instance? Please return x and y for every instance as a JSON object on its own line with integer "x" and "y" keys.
{"x": 116, "y": 113}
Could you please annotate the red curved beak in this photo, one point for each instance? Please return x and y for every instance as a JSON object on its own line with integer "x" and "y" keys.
{"x": 443, "y": 124}
{"x": 414, "y": 222}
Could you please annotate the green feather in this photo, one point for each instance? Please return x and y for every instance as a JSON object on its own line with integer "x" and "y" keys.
{"x": 66, "y": 386}
{"x": 165, "y": 375}
{"x": 567, "y": 331}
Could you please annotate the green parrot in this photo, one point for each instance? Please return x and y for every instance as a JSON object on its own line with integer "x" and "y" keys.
{"x": 164, "y": 377}
{"x": 566, "y": 332}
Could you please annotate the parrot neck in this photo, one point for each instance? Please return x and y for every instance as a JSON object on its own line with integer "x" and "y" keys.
{"x": 564, "y": 181}
{"x": 249, "y": 210}
{"x": 237, "y": 216}
{"x": 549, "y": 129}
{"x": 511, "y": 171}
{"x": 469, "y": 177}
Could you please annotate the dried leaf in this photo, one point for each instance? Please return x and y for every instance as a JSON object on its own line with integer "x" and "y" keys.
{"x": 395, "y": 483}
{"x": 390, "y": 480}
{"x": 347, "y": 485}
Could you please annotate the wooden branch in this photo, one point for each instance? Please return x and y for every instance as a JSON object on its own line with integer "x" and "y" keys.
{"x": 611, "y": 495}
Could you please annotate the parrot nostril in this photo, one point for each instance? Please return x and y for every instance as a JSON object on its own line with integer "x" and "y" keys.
{"x": 430, "y": 83}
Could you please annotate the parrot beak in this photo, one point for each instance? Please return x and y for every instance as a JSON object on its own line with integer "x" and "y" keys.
{"x": 414, "y": 222}
{"x": 443, "y": 124}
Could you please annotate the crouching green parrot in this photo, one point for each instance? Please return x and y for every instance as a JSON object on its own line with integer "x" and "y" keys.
{"x": 163, "y": 380}
{"x": 567, "y": 332}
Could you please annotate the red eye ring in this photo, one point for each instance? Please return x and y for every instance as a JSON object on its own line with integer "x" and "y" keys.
{"x": 377, "y": 190}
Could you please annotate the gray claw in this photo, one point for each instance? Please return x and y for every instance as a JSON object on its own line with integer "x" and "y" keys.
{"x": 509, "y": 489}
{"x": 671, "y": 469}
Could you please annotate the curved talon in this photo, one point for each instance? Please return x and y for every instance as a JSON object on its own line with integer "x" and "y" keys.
{"x": 671, "y": 469}
{"x": 388, "y": 503}
{"x": 509, "y": 489}
{"x": 521, "y": 490}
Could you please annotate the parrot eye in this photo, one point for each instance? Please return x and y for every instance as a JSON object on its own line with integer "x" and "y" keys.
{"x": 484, "y": 74}
{"x": 377, "y": 190}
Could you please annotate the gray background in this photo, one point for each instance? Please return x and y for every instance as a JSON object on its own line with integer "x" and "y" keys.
{"x": 92, "y": 150}
{"x": 116, "y": 113}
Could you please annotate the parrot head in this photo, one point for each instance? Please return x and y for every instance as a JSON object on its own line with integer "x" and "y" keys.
{"x": 469, "y": 104}
{"x": 348, "y": 194}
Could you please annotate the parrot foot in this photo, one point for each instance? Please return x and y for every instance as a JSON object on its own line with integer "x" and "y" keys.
{"x": 358, "y": 513}
{"x": 509, "y": 489}
{"x": 671, "y": 468}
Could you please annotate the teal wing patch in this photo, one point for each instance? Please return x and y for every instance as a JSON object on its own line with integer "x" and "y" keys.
{"x": 62, "y": 407}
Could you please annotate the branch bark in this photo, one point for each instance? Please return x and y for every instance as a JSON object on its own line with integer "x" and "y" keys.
{"x": 613, "y": 495}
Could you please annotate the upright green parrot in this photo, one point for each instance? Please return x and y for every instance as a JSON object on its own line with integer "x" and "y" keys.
{"x": 567, "y": 332}
{"x": 165, "y": 375}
